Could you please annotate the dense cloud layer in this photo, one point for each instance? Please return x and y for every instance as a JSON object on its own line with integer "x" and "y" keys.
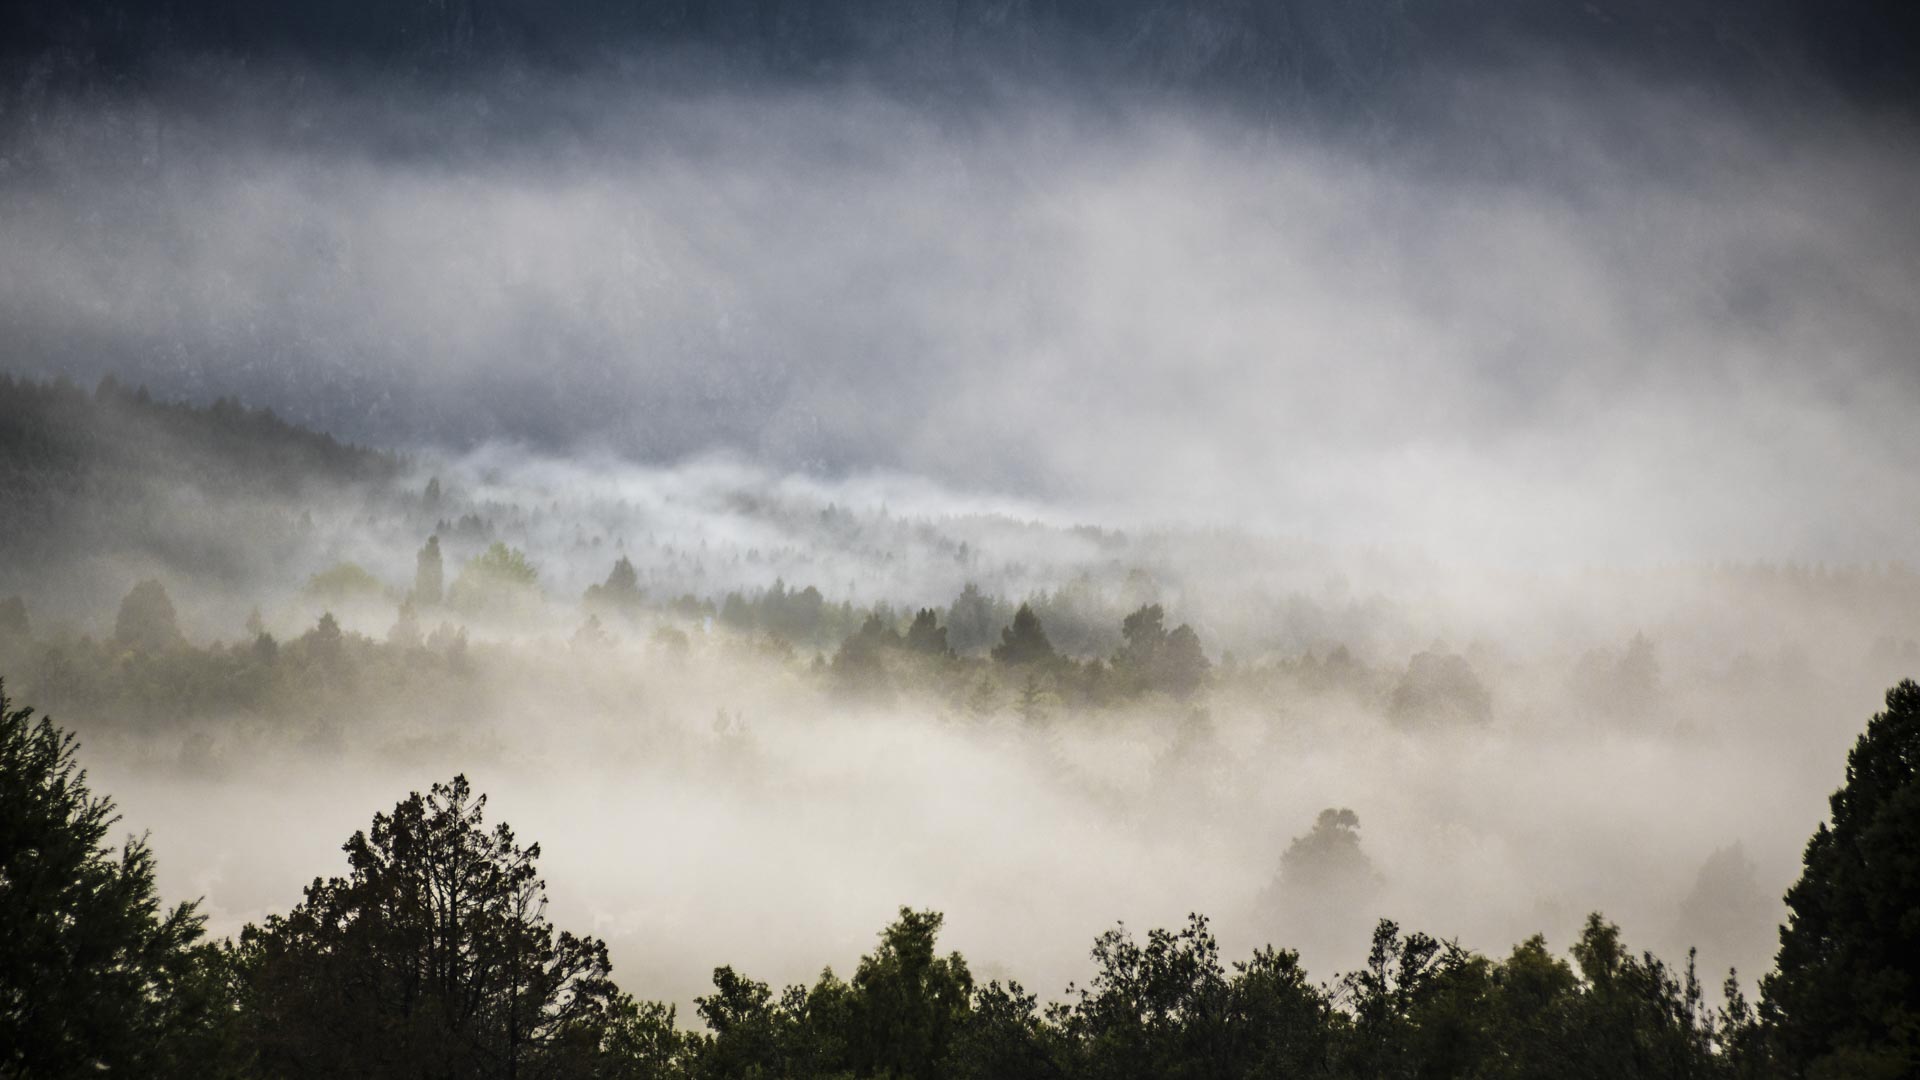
{"x": 1634, "y": 329}
{"x": 828, "y": 332}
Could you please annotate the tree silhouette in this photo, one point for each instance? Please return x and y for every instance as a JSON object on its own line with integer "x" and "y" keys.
{"x": 500, "y": 580}
{"x": 1182, "y": 666}
{"x": 1439, "y": 688}
{"x": 926, "y": 635}
{"x": 429, "y": 574}
{"x": 1144, "y": 631}
{"x": 432, "y": 958}
{"x": 1024, "y": 642}
{"x": 1326, "y": 883}
{"x": 95, "y": 976}
{"x": 1844, "y": 999}
{"x": 906, "y": 1001}
{"x": 620, "y": 593}
{"x": 146, "y": 620}
{"x": 970, "y": 620}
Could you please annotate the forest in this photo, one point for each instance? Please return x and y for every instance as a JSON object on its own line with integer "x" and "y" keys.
{"x": 433, "y": 956}
{"x": 433, "y": 952}
{"x": 959, "y": 538}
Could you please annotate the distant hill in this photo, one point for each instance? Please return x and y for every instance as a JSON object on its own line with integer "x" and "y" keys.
{"x": 59, "y": 434}
{"x": 1315, "y": 50}
{"x": 114, "y": 470}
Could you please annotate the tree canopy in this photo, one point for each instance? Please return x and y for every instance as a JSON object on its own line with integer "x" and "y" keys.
{"x": 96, "y": 976}
{"x": 431, "y": 958}
{"x": 1844, "y": 998}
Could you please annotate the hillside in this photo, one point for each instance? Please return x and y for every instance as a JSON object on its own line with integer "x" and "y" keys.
{"x": 115, "y": 472}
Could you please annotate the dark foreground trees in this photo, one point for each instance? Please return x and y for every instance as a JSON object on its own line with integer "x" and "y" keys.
{"x": 433, "y": 958}
{"x": 96, "y": 977}
{"x": 1844, "y": 998}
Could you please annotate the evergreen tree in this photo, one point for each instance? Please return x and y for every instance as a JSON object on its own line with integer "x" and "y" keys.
{"x": 1144, "y": 631}
{"x": 926, "y": 635}
{"x": 1025, "y": 641}
{"x": 620, "y": 593}
{"x": 326, "y": 642}
{"x": 970, "y": 620}
{"x": 1844, "y": 999}
{"x": 736, "y": 613}
{"x": 96, "y": 977}
{"x": 1182, "y": 666}
{"x": 429, "y": 574}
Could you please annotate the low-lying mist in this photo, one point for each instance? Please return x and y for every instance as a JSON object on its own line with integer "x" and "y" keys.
{"x": 734, "y": 755}
{"x": 1536, "y": 488}
{"x": 1567, "y": 320}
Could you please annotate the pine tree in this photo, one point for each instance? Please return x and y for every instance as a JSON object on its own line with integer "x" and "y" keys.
{"x": 1844, "y": 999}
{"x": 1025, "y": 641}
{"x": 429, "y": 574}
{"x": 96, "y": 977}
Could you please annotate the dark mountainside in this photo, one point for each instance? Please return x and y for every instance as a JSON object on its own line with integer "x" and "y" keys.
{"x": 1318, "y": 53}
{"x": 112, "y": 472}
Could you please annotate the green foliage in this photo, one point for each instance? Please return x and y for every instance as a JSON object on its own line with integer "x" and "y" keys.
{"x": 499, "y": 581}
{"x": 1844, "y": 999}
{"x": 325, "y": 643}
{"x": 95, "y": 976}
{"x": 1154, "y": 659}
{"x": 1145, "y": 631}
{"x": 503, "y": 565}
{"x": 926, "y": 635}
{"x": 1182, "y": 666}
{"x": 343, "y": 581}
{"x": 620, "y": 593}
{"x": 1024, "y": 641}
{"x": 972, "y": 620}
{"x": 1157, "y": 1010}
{"x": 905, "y": 1002}
{"x": 859, "y": 668}
{"x": 899, "y": 1016}
{"x": 433, "y": 957}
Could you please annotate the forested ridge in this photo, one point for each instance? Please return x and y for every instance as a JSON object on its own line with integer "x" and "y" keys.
{"x": 93, "y": 468}
{"x": 430, "y": 953}
{"x": 969, "y": 539}
{"x": 432, "y": 956}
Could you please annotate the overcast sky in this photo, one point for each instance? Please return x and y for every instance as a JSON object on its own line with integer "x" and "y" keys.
{"x": 1576, "y": 323}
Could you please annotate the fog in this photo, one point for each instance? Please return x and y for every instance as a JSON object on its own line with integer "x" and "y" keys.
{"x": 1563, "y": 325}
{"x": 1581, "y": 361}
